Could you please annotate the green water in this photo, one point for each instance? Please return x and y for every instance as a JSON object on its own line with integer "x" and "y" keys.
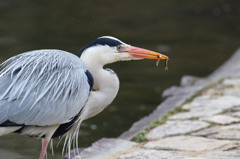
{"x": 197, "y": 35}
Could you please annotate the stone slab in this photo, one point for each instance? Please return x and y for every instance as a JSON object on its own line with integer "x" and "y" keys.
{"x": 148, "y": 154}
{"x": 186, "y": 157}
{"x": 196, "y": 113}
{"x": 221, "y": 119}
{"x": 233, "y": 92}
{"x": 221, "y": 102}
{"x": 231, "y": 127}
{"x": 103, "y": 148}
{"x": 222, "y": 155}
{"x": 205, "y": 132}
{"x": 236, "y": 114}
{"x": 186, "y": 143}
{"x": 205, "y": 106}
{"x": 187, "y": 80}
{"x": 231, "y": 81}
{"x": 236, "y": 108}
{"x": 171, "y": 128}
{"x": 156, "y": 154}
{"x": 227, "y": 135}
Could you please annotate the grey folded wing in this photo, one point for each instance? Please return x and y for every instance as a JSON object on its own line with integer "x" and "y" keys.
{"x": 43, "y": 87}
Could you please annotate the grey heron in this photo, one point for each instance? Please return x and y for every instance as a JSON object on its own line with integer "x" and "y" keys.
{"x": 48, "y": 93}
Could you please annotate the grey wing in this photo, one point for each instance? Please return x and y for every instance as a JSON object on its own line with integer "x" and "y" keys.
{"x": 42, "y": 87}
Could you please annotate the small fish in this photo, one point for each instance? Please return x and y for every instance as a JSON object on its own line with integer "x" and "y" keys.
{"x": 166, "y": 64}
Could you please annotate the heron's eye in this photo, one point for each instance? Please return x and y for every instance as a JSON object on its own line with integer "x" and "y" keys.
{"x": 119, "y": 48}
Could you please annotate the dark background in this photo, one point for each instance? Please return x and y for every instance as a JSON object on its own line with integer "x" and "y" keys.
{"x": 197, "y": 35}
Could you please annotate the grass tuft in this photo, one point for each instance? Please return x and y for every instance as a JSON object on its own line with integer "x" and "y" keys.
{"x": 141, "y": 136}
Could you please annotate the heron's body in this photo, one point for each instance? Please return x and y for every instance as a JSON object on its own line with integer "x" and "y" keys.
{"x": 47, "y": 93}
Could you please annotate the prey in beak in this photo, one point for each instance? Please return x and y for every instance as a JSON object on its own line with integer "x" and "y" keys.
{"x": 146, "y": 54}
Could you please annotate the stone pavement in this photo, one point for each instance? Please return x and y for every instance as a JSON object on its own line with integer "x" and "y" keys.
{"x": 210, "y": 128}
{"x": 202, "y": 122}
{"x": 207, "y": 126}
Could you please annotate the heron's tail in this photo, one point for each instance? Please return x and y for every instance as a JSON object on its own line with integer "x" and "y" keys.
{"x": 7, "y": 130}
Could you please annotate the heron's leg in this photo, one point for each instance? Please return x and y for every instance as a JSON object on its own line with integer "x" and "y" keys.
{"x": 47, "y": 138}
{"x": 44, "y": 149}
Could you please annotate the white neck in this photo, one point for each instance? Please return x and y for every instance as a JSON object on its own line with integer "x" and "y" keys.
{"x": 106, "y": 86}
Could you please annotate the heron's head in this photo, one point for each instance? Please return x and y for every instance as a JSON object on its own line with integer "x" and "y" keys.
{"x": 108, "y": 49}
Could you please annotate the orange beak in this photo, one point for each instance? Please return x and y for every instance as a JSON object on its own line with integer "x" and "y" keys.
{"x": 143, "y": 53}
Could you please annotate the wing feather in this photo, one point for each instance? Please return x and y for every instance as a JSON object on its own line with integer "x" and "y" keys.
{"x": 42, "y": 87}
